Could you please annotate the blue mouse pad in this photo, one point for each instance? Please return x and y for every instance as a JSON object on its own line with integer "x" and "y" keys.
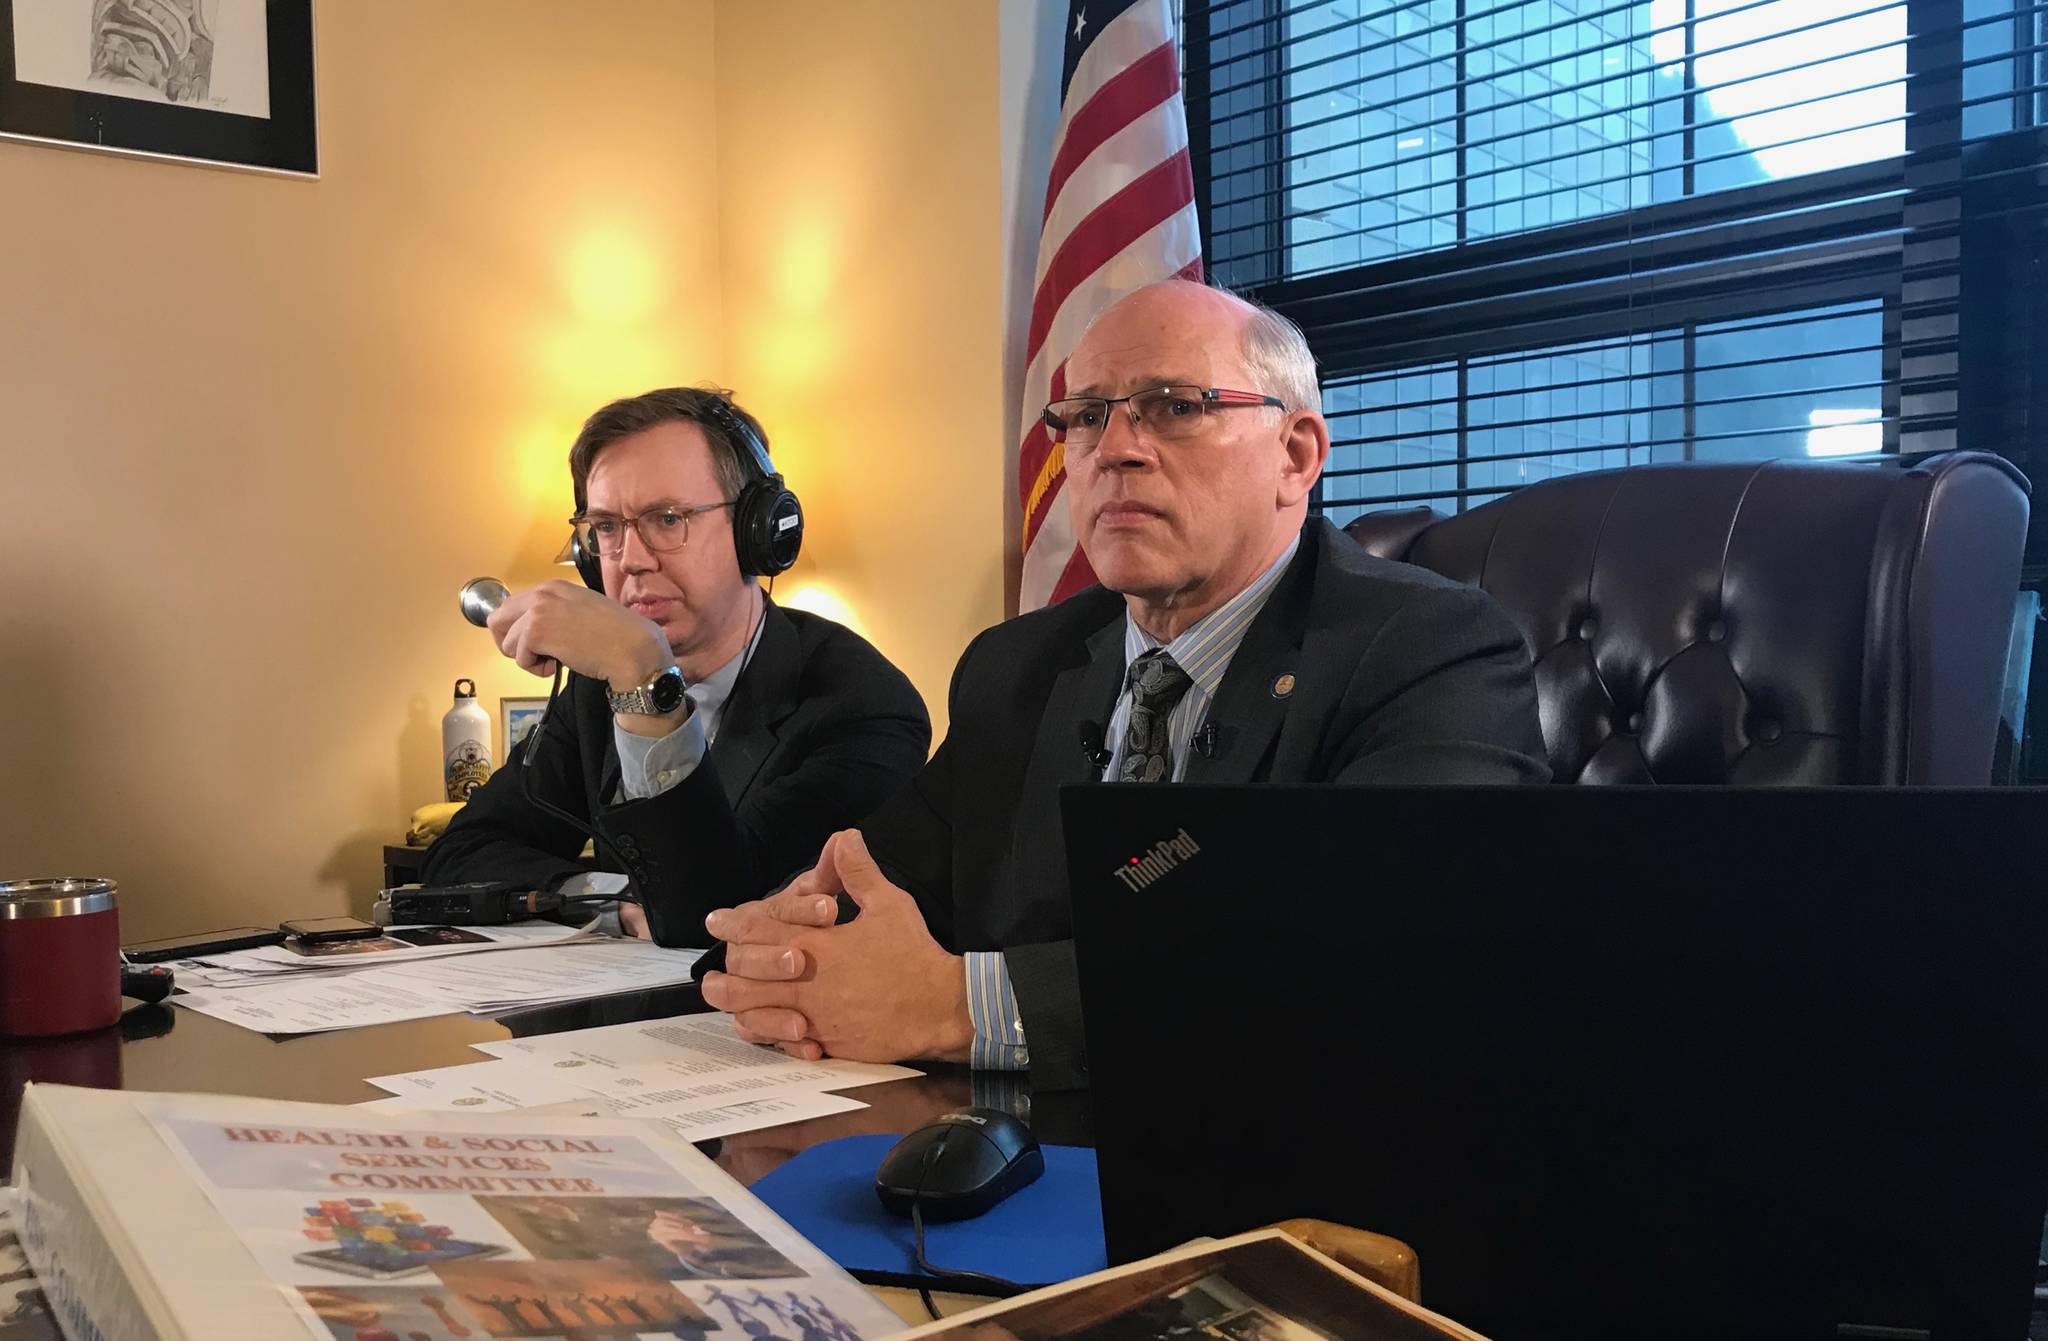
{"x": 1050, "y": 1231}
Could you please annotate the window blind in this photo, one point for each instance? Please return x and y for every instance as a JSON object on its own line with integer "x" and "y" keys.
{"x": 1528, "y": 237}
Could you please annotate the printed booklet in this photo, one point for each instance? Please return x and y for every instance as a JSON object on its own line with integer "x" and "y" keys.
{"x": 199, "y": 1216}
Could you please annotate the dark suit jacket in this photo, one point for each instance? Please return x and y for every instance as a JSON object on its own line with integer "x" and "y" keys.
{"x": 1400, "y": 676}
{"x": 818, "y": 730}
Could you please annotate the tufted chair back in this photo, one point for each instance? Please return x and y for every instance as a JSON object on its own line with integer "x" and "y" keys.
{"x": 1788, "y": 622}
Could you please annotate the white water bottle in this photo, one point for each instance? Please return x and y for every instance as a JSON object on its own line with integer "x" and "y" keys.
{"x": 465, "y": 743}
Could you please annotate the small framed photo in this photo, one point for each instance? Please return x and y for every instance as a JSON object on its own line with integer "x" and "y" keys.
{"x": 223, "y": 82}
{"x": 516, "y": 717}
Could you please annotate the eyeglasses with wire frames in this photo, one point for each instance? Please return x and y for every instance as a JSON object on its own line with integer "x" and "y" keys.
{"x": 1165, "y": 413}
{"x": 663, "y": 529}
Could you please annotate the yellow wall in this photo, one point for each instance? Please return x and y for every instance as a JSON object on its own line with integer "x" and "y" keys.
{"x": 860, "y": 193}
{"x": 257, "y": 431}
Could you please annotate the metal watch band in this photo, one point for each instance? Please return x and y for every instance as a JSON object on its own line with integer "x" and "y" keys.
{"x": 634, "y": 701}
{"x": 639, "y": 700}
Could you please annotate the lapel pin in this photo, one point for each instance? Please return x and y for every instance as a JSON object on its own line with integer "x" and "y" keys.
{"x": 1283, "y": 684}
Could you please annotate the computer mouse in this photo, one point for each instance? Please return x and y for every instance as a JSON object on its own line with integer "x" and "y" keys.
{"x": 959, "y": 1164}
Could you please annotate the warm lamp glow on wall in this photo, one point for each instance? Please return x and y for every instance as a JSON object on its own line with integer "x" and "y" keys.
{"x": 818, "y": 598}
{"x": 612, "y": 275}
{"x": 615, "y": 334}
{"x": 807, "y": 267}
{"x": 540, "y": 451}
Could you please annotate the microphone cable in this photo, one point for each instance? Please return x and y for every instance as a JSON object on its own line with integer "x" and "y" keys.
{"x": 531, "y": 747}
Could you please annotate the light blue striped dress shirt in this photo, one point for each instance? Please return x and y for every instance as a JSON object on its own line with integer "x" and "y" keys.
{"x": 1203, "y": 649}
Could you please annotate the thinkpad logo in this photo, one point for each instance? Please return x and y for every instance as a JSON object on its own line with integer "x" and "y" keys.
{"x": 1142, "y": 871}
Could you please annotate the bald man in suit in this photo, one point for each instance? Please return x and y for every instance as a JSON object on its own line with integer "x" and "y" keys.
{"x": 1233, "y": 639}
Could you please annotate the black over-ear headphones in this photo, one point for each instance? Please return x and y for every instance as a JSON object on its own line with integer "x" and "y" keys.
{"x": 767, "y": 520}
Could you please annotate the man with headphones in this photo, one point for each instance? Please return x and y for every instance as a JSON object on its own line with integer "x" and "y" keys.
{"x": 708, "y": 739}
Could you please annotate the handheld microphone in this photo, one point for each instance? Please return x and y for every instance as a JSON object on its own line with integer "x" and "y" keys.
{"x": 1091, "y": 745}
{"x": 481, "y": 597}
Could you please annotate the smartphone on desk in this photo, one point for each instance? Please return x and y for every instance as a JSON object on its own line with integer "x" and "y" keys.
{"x": 202, "y": 943}
{"x": 317, "y": 930}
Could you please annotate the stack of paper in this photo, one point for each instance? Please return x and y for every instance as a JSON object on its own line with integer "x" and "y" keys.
{"x": 272, "y": 964}
{"x": 566, "y": 965}
{"x": 692, "y": 1072}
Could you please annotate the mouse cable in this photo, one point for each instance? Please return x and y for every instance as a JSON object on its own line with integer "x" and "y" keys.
{"x": 978, "y": 1282}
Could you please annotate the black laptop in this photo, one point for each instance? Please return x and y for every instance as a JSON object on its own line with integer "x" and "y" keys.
{"x": 1615, "y": 1061}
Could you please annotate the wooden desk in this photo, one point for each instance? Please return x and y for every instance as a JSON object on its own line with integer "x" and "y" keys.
{"x": 164, "y": 1048}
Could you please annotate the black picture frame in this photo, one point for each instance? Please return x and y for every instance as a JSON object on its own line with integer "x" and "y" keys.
{"x": 284, "y": 142}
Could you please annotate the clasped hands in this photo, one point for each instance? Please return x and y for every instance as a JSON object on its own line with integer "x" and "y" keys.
{"x": 877, "y": 989}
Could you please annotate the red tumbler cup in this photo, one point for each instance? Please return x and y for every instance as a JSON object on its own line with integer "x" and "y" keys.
{"x": 60, "y": 956}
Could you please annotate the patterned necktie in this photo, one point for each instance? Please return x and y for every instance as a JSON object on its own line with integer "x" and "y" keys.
{"x": 1156, "y": 683}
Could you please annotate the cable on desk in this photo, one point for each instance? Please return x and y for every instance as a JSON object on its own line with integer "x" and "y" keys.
{"x": 979, "y": 1282}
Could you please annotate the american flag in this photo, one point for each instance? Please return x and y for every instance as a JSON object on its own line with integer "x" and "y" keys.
{"x": 1119, "y": 214}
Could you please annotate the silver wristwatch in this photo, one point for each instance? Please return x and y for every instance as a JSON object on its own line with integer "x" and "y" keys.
{"x": 657, "y": 698}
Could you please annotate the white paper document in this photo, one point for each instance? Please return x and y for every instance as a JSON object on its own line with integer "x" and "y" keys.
{"x": 687, "y": 1048}
{"x": 702, "y": 1125}
{"x": 270, "y": 965}
{"x": 655, "y": 1090}
{"x": 690, "y": 1063}
{"x": 315, "y": 1007}
{"x": 551, "y": 973}
{"x": 195, "y": 975}
{"x": 302, "y": 1003}
{"x": 641, "y": 1091}
{"x": 483, "y": 1087}
{"x": 398, "y": 945}
{"x": 760, "y": 1113}
{"x": 692, "y": 1072}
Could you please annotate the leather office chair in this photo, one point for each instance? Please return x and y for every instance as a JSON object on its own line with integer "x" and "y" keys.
{"x": 1789, "y": 622}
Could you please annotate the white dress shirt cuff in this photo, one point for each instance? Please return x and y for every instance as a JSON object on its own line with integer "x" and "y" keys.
{"x": 650, "y": 765}
{"x": 992, "y": 1007}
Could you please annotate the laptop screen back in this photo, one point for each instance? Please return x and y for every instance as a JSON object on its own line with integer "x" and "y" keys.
{"x": 1613, "y": 1061}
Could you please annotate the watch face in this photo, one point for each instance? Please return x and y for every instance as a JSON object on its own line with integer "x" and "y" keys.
{"x": 667, "y": 690}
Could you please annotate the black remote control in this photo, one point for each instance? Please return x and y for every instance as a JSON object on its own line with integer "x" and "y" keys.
{"x": 147, "y": 982}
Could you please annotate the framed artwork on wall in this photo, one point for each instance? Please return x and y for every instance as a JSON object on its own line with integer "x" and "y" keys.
{"x": 219, "y": 82}
{"x": 516, "y": 717}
